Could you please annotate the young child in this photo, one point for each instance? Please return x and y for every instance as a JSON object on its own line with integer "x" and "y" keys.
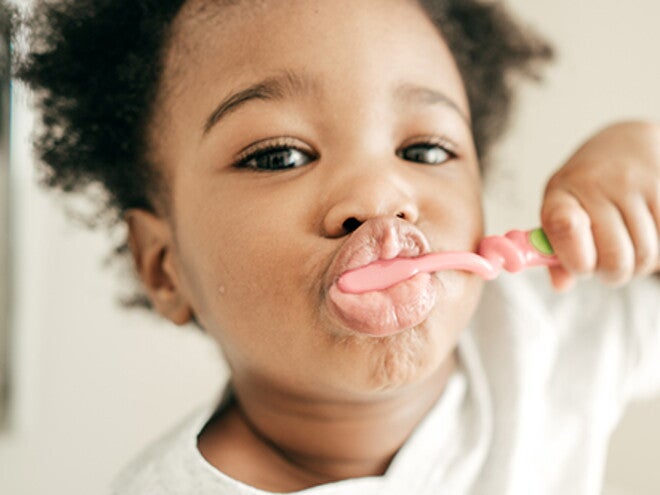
{"x": 257, "y": 150}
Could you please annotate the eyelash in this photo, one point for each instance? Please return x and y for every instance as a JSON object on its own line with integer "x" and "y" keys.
{"x": 269, "y": 148}
{"x": 441, "y": 142}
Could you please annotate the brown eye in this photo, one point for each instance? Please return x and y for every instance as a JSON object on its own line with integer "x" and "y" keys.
{"x": 276, "y": 158}
{"x": 426, "y": 153}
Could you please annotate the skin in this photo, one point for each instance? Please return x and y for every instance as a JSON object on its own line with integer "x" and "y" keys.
{"x": 247, "y": 253}
{"x": 601, "y": 210}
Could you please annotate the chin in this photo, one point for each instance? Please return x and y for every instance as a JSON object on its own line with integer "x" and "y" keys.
{"x": 403, "y": 359}
{"x": 394, "y": 362}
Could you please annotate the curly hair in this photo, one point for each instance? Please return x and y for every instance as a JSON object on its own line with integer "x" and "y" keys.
{"x": 96, "y": 65}
{"x": 6, "y": 24}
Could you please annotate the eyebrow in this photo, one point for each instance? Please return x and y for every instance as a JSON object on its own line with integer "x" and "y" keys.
{"x": 415, "y": 94}
{"x": 289, "y": 84}
{"x": 279, "y": 87}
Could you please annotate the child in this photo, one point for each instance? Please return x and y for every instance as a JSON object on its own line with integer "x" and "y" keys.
{"x": 258, "y": 150}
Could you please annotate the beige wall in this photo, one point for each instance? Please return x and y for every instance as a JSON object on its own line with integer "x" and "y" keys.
{"x": 93, "y": 384}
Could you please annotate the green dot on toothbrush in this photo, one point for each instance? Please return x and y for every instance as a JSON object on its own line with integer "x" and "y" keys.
{"x": 540, "y": 242}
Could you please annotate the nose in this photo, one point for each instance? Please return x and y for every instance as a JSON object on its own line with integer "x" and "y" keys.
{"x": 358, "y": 198}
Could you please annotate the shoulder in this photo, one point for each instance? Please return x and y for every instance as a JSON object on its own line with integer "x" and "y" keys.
{"x": 169, "y": 462}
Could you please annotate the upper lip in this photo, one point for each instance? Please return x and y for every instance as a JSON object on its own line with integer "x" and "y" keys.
{"x": 376, "y": 239}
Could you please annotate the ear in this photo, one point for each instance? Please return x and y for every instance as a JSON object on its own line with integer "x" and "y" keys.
{"x": 151, "y": 244}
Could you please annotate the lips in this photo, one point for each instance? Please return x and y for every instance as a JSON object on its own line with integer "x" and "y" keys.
{"x": 389, "y": 311}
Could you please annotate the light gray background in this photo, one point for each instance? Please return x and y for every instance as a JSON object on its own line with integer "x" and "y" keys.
{"x": 93, "y": 384}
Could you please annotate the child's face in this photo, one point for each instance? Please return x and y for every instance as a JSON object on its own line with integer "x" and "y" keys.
{"x": 255, "y": 251}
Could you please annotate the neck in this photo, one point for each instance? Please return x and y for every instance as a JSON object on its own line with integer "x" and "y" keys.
{"x": 323, "y": 441}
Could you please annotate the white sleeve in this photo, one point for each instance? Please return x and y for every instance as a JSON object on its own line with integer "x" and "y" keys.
{"x": 642, "y": 305}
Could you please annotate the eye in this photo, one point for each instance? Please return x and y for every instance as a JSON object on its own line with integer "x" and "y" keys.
{"x": 427, "y": 153}
{"x": 273, "y": 157}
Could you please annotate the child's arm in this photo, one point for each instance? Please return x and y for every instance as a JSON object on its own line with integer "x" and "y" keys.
{"x": 601, "y": 210}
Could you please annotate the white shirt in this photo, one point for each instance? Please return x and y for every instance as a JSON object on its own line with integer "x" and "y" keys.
{"x": 542, "y": 381}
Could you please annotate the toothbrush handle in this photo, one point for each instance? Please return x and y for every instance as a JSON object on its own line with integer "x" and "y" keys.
{"x": 513, "y": 252}
{"x": 517, "y": 250}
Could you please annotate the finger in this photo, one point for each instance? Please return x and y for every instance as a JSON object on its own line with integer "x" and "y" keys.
{"x": 654, "y": 206}
{"x": 643, "y": 233}
{"x": 615, "y": 263}
{"x": 568, "y": 227}
{"x": 562, "y": 279}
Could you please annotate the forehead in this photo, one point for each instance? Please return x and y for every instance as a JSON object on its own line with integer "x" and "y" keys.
{"x": 351, "y": 45}
{"x": 205, "y": 10}
{"x": 197, "y": 16}
{"x": 203, "y": 24}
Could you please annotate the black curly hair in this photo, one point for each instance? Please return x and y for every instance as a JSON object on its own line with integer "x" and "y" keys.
{"x": 96, "y": 65}
{"x": 6, "y": 18}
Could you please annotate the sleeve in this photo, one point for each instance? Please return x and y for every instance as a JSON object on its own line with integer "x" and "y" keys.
{"x": 642, "y": 306}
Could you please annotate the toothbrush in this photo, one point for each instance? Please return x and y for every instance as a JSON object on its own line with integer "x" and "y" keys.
{"x": 513, "y": 252}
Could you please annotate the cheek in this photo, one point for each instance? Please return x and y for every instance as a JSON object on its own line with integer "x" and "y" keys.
{"x": 453, "y": 213}
{"x": 245, "y": 259}
{"x": 459, "y": 298}
{"x": 458, "y": 210}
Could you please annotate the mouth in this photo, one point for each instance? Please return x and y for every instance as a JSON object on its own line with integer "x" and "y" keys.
{"x": 394, "y": 309}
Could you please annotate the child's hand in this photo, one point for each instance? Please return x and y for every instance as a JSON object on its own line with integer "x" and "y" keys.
{"x": 601, "y": 210}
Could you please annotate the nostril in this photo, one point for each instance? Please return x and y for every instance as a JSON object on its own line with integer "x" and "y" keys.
{"x": 351, "y": 225}
{"x": 401, "y": 215}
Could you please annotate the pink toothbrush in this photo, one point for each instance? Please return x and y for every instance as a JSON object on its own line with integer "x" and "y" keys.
{"x": 514, "y": 251}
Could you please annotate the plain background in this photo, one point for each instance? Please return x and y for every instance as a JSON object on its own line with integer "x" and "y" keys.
{"x": 93, "y": 384}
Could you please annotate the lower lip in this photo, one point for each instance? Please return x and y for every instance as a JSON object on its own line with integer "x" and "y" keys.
{"x": 385, "y": 312}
